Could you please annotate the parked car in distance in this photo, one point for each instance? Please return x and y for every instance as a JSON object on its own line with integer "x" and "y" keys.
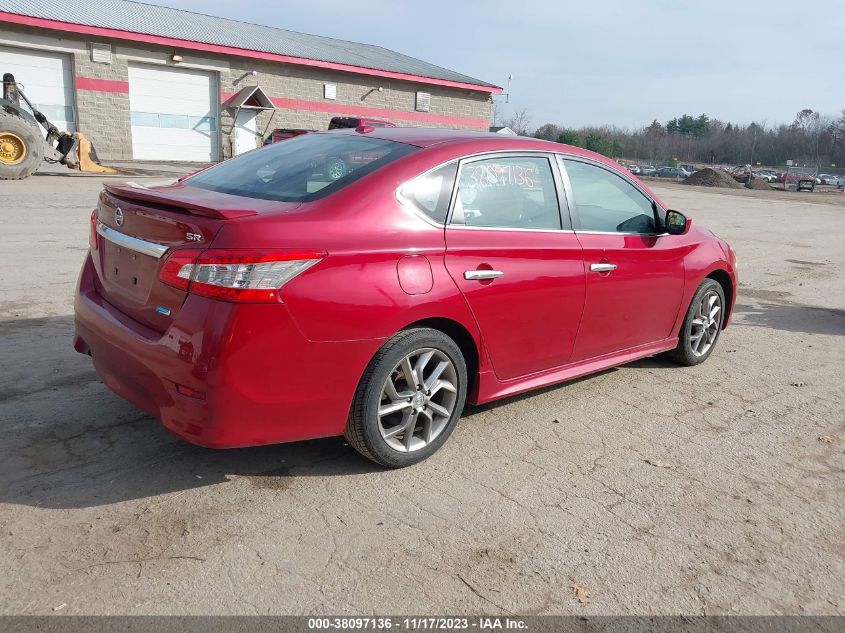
{"x": 346, "y": 122}
{"x": 283, "y": 134}
{"x": 802, "y": 178}
{"x": 670, "y": 172}
{"x": 688, "y": 169}
{"x": 827, "y": 179}
{"x": 741, "y": 173}
{"x": 806, "y": 183}
{"x": 634, "y": 169}
{"x": 256, "y": 302}
{"x": 647, "y": 170}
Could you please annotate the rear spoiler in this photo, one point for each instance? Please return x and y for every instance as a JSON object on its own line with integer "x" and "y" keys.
{"x": 173, "y": 196}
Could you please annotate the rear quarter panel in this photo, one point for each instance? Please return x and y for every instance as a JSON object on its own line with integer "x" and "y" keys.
{"x": 355, "y": 293}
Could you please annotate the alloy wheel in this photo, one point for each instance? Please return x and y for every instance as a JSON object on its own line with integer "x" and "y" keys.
{"x": 417, "y": 400}
{"x": 705, "y": 324}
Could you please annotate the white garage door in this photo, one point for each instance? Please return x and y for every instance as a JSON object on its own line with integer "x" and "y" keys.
{"x": 173, "y": 113}
{"x": 47, "y": 82}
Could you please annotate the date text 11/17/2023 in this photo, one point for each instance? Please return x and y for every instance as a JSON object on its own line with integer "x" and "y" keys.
{"x": 417, "y": 623}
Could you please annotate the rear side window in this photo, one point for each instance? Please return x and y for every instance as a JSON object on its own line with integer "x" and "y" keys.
{"x": 430, "y": 193}
{"x": 607, "y": 202}
{"x": 301, "y": 169}
{"x": 512, "y": 192}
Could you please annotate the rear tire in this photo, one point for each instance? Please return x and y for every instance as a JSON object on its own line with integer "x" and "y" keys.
{"x": 21, "y": 147}
{"x": 397, "y": 421}
{"x": 701, "y": 328}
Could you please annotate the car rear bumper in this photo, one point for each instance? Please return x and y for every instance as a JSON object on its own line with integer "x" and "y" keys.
{"x": 254, "y": 377}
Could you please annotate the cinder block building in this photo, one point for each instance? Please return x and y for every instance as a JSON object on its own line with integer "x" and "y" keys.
{"x": 161, "y": 84}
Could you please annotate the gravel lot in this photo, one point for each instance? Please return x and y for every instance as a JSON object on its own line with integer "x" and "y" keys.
{"x": 716, "y": 489}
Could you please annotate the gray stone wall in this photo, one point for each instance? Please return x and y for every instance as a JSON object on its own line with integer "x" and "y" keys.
{"x": 104, "y": 116}
{"x": 353, "y": 90}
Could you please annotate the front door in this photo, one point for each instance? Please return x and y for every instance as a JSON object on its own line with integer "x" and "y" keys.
{"x": 635, "y": 274}
{"x": 245, "y": 131}
{"x": 516, "y": 261}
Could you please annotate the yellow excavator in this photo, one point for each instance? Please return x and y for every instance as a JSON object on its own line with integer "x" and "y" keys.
{"x": 22, "y": 148}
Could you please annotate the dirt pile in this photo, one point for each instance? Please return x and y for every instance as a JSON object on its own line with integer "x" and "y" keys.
{"x": 712, "y": 178}
{"x": 759, "y": 183}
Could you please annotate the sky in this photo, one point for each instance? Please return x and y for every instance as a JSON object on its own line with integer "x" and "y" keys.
{"x": 598, "y": 62}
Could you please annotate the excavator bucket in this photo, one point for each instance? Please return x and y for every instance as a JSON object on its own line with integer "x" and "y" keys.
{"x": 88, "y": 160}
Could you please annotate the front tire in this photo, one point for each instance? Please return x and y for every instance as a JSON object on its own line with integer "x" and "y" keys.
{"x": 409, "y": 399}
{"x": 21, "y": 147}
{"x": 702, "y": 325}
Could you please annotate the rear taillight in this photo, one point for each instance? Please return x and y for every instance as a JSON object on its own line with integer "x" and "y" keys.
{"x": 92, "y": 232}
{"x": 177, "y": 268}
{"x": 234, "y": 275}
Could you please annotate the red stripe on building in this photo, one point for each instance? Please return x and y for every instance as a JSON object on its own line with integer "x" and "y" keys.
{"x": 43, "y": 23}
{"x": 400, "y": 115}
{"x": 102, "y": 85}
{"x": 381, "y": 113}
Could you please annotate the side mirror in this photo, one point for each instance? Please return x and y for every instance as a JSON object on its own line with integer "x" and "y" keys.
{"x": 677, "y": 223}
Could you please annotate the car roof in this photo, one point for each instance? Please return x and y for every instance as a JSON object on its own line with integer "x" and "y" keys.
{"x": 429, "y": 137}
{"x": 426, "y": 137}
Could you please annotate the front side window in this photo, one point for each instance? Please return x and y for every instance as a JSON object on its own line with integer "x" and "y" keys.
{"x": 607, "y": 202}
{"x": 301, "y": 169}
{"x": 516, "y": 193}
{"x": 430, "y": 193}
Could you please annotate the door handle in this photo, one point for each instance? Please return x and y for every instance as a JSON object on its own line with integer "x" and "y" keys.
{"x": 481, "y": 275}
{"x": 603, "y": 267}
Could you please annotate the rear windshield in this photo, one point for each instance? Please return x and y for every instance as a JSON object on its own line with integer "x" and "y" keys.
{"x": 301, "y": 169}
{"x": 340, "y": 124}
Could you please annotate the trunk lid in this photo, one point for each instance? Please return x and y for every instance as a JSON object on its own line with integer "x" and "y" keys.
{"x": 138, "y": 227}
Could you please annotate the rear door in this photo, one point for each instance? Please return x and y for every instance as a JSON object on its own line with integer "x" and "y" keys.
{"x": 514, "y": 257}
{"x": 635, "y": 274}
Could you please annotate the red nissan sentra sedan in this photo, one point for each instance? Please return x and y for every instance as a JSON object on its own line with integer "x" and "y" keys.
{"x": 262, "y": 301}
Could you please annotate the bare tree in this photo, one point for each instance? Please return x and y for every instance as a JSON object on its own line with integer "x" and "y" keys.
{"x": 810, "y": 123}
{"x": 812, "y": 138}
{"x": 495, "y": 112}
{"x": 519, "y": 122}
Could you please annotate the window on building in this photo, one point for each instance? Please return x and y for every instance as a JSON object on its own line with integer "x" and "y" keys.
{"x": 423, "y": 103}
